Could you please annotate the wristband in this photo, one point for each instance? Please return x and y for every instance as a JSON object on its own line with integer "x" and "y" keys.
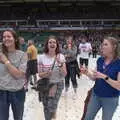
{"x": 106, "y": 78}
{"x": 7, "y": 62}
{"x": 60, "y": 65}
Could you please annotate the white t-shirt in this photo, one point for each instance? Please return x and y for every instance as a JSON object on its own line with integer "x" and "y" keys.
{"x": 45, "y": 63}
{"x": 84, "y": 49}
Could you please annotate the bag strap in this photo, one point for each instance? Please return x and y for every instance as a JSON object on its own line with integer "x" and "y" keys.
{"x": 53, "y": 63}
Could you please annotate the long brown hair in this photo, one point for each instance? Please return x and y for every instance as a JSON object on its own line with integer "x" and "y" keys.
{"x": 4, "y": 48}
{"x": 46, "y": 50}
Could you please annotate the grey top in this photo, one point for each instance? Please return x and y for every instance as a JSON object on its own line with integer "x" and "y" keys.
{"x": 7, "y": 81}
{"x": 71, "y": 53}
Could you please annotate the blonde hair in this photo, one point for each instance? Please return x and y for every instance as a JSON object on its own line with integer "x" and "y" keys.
{"x": 115, "y": 43}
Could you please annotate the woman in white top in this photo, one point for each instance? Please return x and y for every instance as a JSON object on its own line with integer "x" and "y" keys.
{"x": 56, "y": 76}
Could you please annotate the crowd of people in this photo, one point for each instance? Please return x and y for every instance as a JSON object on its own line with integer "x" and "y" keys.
{"x": 20, "y": 65}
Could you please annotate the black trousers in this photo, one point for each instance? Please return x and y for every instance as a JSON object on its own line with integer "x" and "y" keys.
{"x": 71, "y": 74}
{"x": 84, "y": 61}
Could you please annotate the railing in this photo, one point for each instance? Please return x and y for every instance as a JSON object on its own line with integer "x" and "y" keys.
{"x": 66, "y": 24}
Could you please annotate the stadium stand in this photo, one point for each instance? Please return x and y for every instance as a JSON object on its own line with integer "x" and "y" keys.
{"x": 39, "y": 18}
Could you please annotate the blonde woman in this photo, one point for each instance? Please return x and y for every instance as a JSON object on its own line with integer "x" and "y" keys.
{"x": 105, "y": 93}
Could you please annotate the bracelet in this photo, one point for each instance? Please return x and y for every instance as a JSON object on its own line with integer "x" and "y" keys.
{"x": 60, "y": 65}
{"x": 7, "y": 62}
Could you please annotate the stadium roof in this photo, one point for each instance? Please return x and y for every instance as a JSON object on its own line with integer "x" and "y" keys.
{"x": 21, "y": 1}
{"x": 61, "y": 2}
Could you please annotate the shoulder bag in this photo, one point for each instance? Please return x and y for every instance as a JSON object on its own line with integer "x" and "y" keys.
{"x": 43, "y": 84}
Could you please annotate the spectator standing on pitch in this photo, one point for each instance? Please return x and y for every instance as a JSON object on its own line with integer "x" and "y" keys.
{"x": 32, "y": 62}
{"x": 70, "y": 53}
{"x": 94, "y": 50}
{"x": 84, "y": 50}
{"x": 105, "y": 93}
{"x": 23, "y": 45}
{"x": 12, "y": 76}
{"x": 52, "y": 58}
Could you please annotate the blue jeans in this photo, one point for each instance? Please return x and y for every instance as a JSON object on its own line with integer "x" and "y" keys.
{"x": 16, "y": 100}
{"x": 108, "y": 105}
